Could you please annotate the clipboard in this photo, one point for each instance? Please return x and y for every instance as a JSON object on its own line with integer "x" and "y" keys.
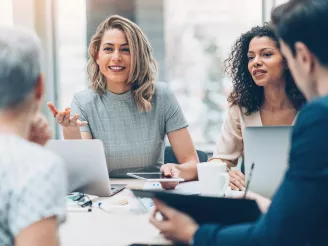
{"x": 205, "y": 210}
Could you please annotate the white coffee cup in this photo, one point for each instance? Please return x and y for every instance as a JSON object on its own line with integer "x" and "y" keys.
{"x": 213, "y": 178}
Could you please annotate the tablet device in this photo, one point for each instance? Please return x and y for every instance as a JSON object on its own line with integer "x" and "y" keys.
{"x": 155, "y": 177}
{"x": 224, "y": 211}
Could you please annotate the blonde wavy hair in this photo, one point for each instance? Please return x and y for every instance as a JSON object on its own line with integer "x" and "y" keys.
{"x": 143, "y": 67}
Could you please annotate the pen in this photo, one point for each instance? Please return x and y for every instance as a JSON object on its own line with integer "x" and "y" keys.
{"x": 106, "y": 208}
{"x": 79, "y": 209}
{"x": 249, "y": 179}
{"x": 141, "y": 203}
{"x": 109, "y": 208}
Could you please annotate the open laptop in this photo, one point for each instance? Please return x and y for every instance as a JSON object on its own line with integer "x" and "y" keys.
{"x": 268, "y": 148}
{"x": 86, "y": 166}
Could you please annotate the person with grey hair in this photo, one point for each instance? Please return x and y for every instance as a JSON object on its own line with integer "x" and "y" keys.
{"x": 33, "y": 180}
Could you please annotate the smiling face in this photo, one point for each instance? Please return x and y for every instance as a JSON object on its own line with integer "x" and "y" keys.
{"x": 265, "y": 62}
{"x": 114, "y": 57}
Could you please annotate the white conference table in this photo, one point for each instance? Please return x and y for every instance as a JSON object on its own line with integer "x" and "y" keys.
{"x": 98, "y": 228}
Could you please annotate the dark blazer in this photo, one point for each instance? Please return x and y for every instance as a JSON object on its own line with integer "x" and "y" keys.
{"x": 298, "y": 214}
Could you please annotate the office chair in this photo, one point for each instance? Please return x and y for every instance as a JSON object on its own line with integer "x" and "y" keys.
{"x": 169, "y": 156}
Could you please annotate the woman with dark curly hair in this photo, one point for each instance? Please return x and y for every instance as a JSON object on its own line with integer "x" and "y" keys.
{"x": 264, "y": 94}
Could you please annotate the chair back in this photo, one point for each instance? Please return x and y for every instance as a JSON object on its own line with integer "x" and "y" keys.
{"x": 169, "y": 156}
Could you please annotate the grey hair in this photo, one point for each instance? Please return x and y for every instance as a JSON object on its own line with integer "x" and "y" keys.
{"x": 20, "y": 65}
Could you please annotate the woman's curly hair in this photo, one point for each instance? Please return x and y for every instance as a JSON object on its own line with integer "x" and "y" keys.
{"x": 246, "y": 93}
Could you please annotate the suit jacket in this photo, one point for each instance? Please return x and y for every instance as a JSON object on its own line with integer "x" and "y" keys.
{"x": 298, "y": 214}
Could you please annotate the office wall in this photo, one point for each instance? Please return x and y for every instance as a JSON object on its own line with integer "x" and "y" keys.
{"x": 98, "y": 10}
{"x": 38, "y": 16}
{"x": 149, "y": 16}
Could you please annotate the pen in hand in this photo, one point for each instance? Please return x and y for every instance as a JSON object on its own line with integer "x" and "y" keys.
{"x": 249, "y": 179}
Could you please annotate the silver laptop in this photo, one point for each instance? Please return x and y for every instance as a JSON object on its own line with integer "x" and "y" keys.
{"x": 86, "y": 166}
{"x": 268, "y": 148}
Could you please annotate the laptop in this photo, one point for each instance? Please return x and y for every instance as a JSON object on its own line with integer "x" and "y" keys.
{"x": 86, "y": 166}
{"x": 268, "y": 148}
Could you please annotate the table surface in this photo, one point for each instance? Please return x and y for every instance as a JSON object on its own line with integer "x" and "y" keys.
{"x": 100, "y": 228}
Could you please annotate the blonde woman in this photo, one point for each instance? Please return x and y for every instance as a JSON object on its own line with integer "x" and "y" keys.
{"x": 125, "y": 108}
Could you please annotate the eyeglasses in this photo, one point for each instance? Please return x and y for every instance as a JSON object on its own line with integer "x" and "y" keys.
{"x": 82, "y": 200}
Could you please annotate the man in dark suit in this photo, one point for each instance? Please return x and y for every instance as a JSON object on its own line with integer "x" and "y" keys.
{"x": 298, "y": 214}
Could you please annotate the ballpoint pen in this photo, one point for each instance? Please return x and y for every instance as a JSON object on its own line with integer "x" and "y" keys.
{"x": 79, "y": 209}
{"x": 249, "y": 179}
